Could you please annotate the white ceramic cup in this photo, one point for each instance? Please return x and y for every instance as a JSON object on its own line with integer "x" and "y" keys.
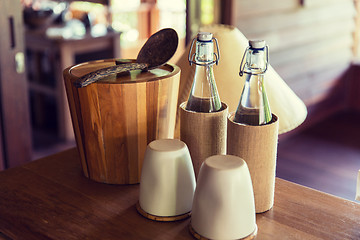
{"x": 223, "y": 205}
{"x": 167, "y": 182}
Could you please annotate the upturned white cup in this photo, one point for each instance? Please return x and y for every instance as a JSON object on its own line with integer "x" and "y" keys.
{"x": 167, "y": 182}
{"x": 223, "y": 205}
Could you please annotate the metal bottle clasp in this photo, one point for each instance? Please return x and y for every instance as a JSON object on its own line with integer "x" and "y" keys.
{"x": 217, "y": 55}
{"x": 242, "y": 64}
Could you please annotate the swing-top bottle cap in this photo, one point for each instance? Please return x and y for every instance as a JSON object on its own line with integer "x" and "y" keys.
{"x": 204, "y": 36}
{"x": 257, "y": 44}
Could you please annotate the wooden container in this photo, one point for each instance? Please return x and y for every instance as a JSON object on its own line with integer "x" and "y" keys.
{"x": 257, "y": 145}
{"x": 116, "y": 118}
{"x": 203, "y": 133}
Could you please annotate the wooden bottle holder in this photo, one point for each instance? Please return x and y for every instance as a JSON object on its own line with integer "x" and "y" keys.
{"x": 115, "y": 118}
{"x": 203, "y": 133}
{"x": 257, "y": 145}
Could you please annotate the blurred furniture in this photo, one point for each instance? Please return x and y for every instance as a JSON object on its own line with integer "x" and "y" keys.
{"x": 51, "y": 199}
{"x": 47, "y": 58}
{"x": 148, "y": 19}
{"x": 15, "y": 131}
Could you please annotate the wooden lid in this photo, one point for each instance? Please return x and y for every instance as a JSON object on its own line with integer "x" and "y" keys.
{"x": 161, "y": 72}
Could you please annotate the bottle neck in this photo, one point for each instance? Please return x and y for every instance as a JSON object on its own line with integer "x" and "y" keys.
{"x": 204, "y": 95}
{"x": 253, "y": 108}
{"x": 204, "y": 53}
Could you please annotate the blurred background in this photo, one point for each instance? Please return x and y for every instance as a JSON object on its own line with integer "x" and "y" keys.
{"x": 314, "y": 46}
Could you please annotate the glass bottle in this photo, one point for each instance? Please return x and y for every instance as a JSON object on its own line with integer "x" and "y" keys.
{"x": 254, "y": 108}
{"x": 204, "y": 96}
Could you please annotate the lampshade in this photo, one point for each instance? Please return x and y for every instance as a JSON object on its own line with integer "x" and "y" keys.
{"x": 284, "y": 103}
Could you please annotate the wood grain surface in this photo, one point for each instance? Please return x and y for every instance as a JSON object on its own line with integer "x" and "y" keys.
{"x": 116, "y": 118}
{"x": 51, "y": 199}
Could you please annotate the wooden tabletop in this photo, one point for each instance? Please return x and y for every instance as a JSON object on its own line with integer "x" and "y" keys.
{"x": 51, "y": 199}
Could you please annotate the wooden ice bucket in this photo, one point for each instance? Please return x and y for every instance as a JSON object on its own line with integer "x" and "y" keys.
{"x": 116, "y": 118}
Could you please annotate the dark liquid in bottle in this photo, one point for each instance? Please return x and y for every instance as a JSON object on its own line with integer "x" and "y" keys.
{"x": 196, "y": 104}
{"x": 248, "y": 117}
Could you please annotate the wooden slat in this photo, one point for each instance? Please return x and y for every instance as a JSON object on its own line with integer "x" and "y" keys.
{"x": 253, "y": 8}
{"x": 322, "y": 47}
{"x": 299, "y": 36}
{"x": 294, "y": 19}
{"x": 314, "y": 63}
{"x": 317, "y": 3}
{"x": 311, "y": 64}
{"x": 91, "y": 128}
{"x": 305, "y": 79}
{"x": 76, "y": 118}
{"x": 312, "y": 87}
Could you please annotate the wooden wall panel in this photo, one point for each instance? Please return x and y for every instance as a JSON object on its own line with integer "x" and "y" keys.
{"x": 293, "y": 18}
{"x": 315, "y": 87}
{"x": 315, "y": 61}
{"x": 316, "y": 3}
{"x": 290, "y": 39}
{"x": 311, "y": 41}
{"x": 313, "y": 49}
